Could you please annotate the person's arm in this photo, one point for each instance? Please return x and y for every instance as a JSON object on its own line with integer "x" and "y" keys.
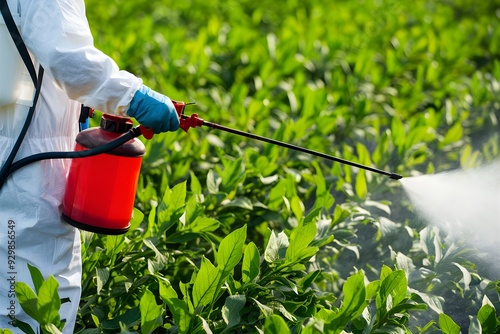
{"x": 57, "y": 33}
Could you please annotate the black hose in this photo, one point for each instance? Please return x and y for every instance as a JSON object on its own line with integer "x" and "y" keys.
{"x": 132, "y": 133}
{"x": 8, "y": 163}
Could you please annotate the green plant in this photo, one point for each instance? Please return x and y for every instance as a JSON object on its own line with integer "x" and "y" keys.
{"x": 42, "y": 305}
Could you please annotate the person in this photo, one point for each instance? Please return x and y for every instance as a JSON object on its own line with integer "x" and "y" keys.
{"x": 58, "y": 37}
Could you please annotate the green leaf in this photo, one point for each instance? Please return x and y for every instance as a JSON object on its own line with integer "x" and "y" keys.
{"x": 102, "y": 276}
{"x": 204, "y": 224}
{"x": 409, "y": 305}
{"x": 240, "y": 202}
{"x": 48, "y": 302}
{"x": 181, "y": 314}
{"x": 395, "y": 285}
{"x": 447, "y": 325}
{"x": 487, "y": 317}
{"x": 300, "y": 239}
{"x": 195, "y": 184}
{"x": 251, "y": 263}
{"x": 279, "y": 307}
{"x": 171, "y": 207}
{"x": 5, "y": 331}
{"x": 309, "y": 279}
{"x": 166, "y": 290}
{"x": 28, "y": 300}
{"x": 25, "y": 327}
{"x": 389, "y": 329}
{"x": 51, "y": 329}
{"x": 114, "y": 244}
{"x": 276, "y": 247}
{"x": 398, "y": 132}
{"x": 36, "y": 277}
{"x": 186, "y": 292}
{"x": 467, "y": 278}
{"x": 305, "y": 254}
{"x": 371, "y": 289}
{"x": 405, "y": 263}
{"x": 426, "y": 327}
{"x": 360, "y": 186}
{"x": 231, "y": 250}
{"x": 277, "y": 194}
{"x": 233, "y": 170}
{"x": 265, "y": 310}
{"x": 213, "y": 182}
{"x": 326, "y": 315}
{"x": 137, "y": 218}
{"x": 434, "y": 302}
{"x": 453, "y": 135}
{"x": 313, "y": 216}
{"x": 363, "y": 154}
{"x": 205, "y": 325}
{"x": 354, "y": 301}
{"x": 475, "y": 325}
{"x": 193, "y": 211}
{"x": 275, "y": 324}
{"x": 385, "y": 271}
{"x": 206, "y": 284}
{"x": 152, "y": 226}
{"x": 232, "y": 174}
{"x": 178, "y": 197}
{"x": 150, "y": 312}
{"x": 324, "y": 198}
{"x": 297, "y": 207}
{"x": 231, "y": 310}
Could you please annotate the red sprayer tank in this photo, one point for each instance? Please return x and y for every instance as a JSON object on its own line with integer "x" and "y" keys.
{"x": 100, "y": 190}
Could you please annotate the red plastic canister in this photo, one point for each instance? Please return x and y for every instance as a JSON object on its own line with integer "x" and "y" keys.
{"x": 100, "y": 189}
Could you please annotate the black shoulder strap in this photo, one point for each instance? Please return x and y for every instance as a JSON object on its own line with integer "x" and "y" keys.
{"x": 16, "y": 37}
{"x": 37, "y": 81}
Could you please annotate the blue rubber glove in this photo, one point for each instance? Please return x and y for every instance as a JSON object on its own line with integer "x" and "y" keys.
{"x": 153, "y": 110}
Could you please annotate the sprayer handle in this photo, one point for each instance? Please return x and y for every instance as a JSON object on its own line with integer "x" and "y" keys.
{"x": 179, "y": 107}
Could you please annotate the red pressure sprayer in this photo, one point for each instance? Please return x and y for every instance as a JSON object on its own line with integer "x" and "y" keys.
{"x": 100, "y": 190}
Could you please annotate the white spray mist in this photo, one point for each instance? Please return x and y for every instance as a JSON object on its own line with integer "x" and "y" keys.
{"x": 464, "y": 203}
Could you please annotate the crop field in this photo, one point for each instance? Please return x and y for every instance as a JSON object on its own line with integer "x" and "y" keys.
{"x": 234, "y": 235}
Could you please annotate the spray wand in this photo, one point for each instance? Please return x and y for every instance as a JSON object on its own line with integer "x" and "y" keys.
{"x": 187, "y": 122}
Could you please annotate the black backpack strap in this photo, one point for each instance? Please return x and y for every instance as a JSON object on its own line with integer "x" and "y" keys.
{"x": 18, "y": 41}
{"x": 37, "y": 81}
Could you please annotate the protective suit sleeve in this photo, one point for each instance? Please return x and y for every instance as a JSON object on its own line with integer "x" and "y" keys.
{"x": 57, "y": 33}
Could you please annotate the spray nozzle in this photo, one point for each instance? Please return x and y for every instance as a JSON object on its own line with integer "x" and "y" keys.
{"x": 395, "y": 176}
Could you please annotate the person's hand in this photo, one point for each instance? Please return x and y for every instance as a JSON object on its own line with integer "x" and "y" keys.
{"x": 153, "y": 110}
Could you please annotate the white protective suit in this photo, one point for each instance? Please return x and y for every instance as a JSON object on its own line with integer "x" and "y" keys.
{"x": 57, "y": 34}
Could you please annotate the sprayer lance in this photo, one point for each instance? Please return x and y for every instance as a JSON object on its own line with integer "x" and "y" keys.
{"x": 192, "y": 121}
